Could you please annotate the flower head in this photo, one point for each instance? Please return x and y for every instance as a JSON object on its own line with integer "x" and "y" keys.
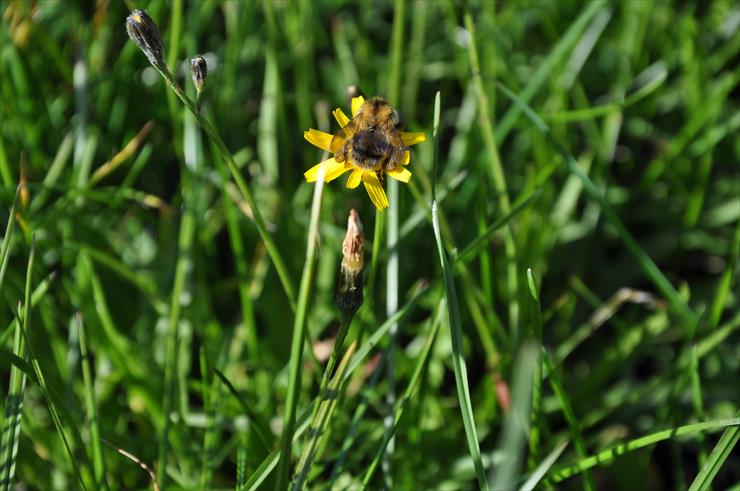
{"x": 369, "y": 145}
{"x": 199, "y": 71}
{"x": 144, "y": 32}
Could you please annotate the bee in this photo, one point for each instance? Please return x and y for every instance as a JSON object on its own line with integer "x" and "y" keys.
{"x": 371, "y": 140}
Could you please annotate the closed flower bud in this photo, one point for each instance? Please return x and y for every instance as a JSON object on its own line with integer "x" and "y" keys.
{"x": 349, "y": 293}
{"x": 144, "y": 32}
{"x": 199, "y": 70}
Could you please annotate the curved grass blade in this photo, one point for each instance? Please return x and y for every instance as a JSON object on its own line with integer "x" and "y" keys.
{"x": 7, "y": 238}
{"x": 91, "y": 407}
{"x": 610, "y": 454}
{"x": 298, "y": 338}
{"x": 411, "y": 389}
{"x": 570, "y": 416}
{"x": 536, "y": 476}
{"x": 458, "y": 359}
{"x": 643, "y": 260}
{"x": 241, "y": 184}
{"x": 260, "y": 426}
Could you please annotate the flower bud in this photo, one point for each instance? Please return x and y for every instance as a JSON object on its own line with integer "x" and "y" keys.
{"x": 349, "y": 293}
{"x": 199, "y": 70}
{"x": 144, "y": 32}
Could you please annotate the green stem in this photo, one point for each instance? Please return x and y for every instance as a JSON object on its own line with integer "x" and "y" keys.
{"x": 298, "y": 341}
{"x": 499, "y": 181}
{"x": 241, "y": 184}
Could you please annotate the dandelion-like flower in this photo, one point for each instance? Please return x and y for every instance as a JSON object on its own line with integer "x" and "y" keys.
{"x": 369, "y": 145}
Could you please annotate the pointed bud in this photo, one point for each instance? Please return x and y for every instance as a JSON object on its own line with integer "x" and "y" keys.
{"x": 144, "y": 32}
{"x": 349, "y": 293}
{"x": 199, "y": 70}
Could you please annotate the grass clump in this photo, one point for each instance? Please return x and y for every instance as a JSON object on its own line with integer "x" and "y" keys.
{"x": 551, "y": 301}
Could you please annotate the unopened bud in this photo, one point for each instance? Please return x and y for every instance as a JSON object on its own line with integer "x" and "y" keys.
{"x": 199, "y": 70}
{"x": 349, "y": 293}
{"x": 144, "y": 32}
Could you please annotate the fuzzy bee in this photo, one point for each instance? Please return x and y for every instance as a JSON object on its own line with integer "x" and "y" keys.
{"x": 371, "y": 141}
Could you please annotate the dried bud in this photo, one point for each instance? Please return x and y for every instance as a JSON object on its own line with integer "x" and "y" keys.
{"x": 199, "y": 70}
{"x": 144, "y": 32}
{"x": 349, "y": 293}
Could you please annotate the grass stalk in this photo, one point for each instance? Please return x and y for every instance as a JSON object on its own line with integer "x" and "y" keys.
{"x": 91, "y": 407}
{"x": 499, "y": 181}
{"x": 643, "y": 260}
{"x": 317, "y": 424}
{"x": 241, "y": 184}
{"x": 392, "y": 286}
{"x": 298, "y": 339}
{"x": 458, "y": 359}
{"x": 182, "y": 268}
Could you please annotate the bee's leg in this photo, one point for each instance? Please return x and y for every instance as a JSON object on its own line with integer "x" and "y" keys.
{"x": 380, "y": 177}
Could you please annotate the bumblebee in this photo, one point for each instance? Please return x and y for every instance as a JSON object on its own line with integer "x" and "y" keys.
{"x": 371, "y": 140}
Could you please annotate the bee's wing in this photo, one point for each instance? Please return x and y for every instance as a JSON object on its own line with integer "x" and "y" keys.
{"x": 397, "y": 145}
{"x": 347, "y": 132}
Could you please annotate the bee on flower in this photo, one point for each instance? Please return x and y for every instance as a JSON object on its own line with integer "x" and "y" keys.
{"x": 369, "y": 146}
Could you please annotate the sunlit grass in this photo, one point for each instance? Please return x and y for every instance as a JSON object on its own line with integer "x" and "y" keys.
{"x": 550, "y": 302}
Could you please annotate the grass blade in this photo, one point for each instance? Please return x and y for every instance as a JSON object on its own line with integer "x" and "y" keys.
{"x": 570, "y": 417}
{"x": 458, "y": 359}
{"x": 298, "y": 338}
{"x": 499, "y": 181}
{"x": 610, "y": 454}
{"x": 720, "y": 453}
{"x": 536, "y": 476}
{"x": 516, "y": 425}
{"x": 643, "y": 260}
{"x": 421, "y": 365}
{"x": 91, "y": 407}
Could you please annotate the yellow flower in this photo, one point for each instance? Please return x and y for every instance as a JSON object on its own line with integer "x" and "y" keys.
{"x": 370, "y": 175}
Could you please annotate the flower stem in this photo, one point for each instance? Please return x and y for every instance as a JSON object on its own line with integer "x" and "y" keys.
{"x": 241, "y": 184}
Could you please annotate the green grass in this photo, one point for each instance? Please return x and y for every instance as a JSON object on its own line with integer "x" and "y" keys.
{"x": 550, "y": 303}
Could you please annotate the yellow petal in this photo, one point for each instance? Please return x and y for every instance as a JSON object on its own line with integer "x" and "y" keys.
{"x": 406, "y": 157}
{"x": 375, "y": 190}
{"x": 334, "y": 169}
{"x": 341, "y": 118}
{"x": 400, "y": 173}
{"x": 357, "y": 103}
{"x": 318, "y": 138}
{"x": 412, "y": 138}
{"x": 354, "y": 179}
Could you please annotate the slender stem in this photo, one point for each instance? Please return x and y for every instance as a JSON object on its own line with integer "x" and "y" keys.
{"x": 298, "y": 340}
{"x": 317, "y": 423}
{"x": 499, "y": 181}
{"x": 241, "y": 184}
{"x": 392, "y": 265}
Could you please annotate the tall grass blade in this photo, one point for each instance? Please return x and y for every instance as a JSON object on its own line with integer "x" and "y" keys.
{"x": 534, "y": 479}
{"x": 298, "y": 339}
{"x": 643, "y": 260}
{"x": 458, "y": 358}
{"x": 411, "y": 389}
{"x": 516, "y": 424}
{"x": 91, "y": 407}
{"x": 8, "y": 238}
{"x": 570, "y": 417}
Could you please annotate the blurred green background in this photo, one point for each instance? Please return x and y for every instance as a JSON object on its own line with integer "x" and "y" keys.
{"x": 644, "y": 95}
